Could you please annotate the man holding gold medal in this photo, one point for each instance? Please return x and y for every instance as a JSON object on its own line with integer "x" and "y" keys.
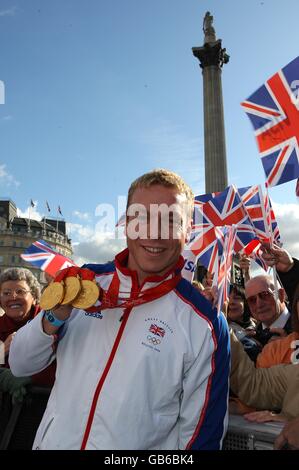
{"x": 142, "y": 357}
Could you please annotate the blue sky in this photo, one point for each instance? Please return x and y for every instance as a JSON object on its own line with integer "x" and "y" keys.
{"x": 98, "y": 92}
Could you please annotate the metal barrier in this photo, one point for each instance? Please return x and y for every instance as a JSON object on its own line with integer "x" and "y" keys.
{"x": 244, "y": 435}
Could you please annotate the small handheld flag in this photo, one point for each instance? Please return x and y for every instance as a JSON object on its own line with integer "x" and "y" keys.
{"x": 274, "y": 113}
{"x": 43, "y": 256}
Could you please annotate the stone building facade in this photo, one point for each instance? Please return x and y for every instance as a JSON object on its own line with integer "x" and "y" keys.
{"x": 17, "y": 233}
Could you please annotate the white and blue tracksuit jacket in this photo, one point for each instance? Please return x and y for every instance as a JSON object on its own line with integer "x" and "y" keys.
{"x": 154, "y": 376}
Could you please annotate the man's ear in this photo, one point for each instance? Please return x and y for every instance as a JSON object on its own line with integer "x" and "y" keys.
{"x": 282, "y": 295}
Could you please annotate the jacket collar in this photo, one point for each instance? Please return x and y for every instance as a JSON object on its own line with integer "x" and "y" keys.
{"x": 129, "y": 279}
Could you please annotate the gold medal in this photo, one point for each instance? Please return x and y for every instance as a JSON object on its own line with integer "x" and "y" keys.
{"x": 88, "y": 296}
{"x": 52, "y": 296}
{"x": 72, "y": 288}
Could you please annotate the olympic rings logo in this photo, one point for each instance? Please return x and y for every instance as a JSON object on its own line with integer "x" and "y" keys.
{"x": 153, "y": 340}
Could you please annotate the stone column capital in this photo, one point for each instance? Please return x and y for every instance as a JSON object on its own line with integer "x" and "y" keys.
{"x": 211, "y": 53}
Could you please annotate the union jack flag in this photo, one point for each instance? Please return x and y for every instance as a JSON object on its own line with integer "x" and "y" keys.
{"x": 274, "y": 113}
{"x": 43, "y": 256}
{"x": 227, "y": 208}
{"x": 253, "y": 200}
{"x": 204, "y": 244}
{"x": 254, "y": 251}
{"x": 225, "y": 265}
{"x": 211, "y": 213}
{"x": 121, "y": 221}
{"x": 199, "y": 201}
{"x": 275, "y": 234}
{"x": 156, "y": 330}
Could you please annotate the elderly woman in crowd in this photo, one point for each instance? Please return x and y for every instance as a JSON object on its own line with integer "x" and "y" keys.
{"x": 19, "y": 298}
{"x": 240, "y": 321}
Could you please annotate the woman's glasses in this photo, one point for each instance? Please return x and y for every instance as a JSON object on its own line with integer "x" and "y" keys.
{"x": 17, "y": 292}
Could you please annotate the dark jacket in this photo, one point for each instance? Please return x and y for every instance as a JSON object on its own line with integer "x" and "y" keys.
{"x": 8, "y": 326}
{"x": 290, "y": 280}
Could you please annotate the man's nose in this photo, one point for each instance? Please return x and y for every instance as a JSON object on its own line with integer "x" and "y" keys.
{"x": 259, "y": 300}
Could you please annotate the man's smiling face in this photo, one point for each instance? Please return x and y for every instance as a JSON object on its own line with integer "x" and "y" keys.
{"x": 156, "y": 239}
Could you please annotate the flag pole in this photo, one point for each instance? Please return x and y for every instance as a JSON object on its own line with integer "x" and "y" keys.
{"x": 268, "y": 215}
{"x": 57, "y": 223}
{"x": 29, "y": 216}
{"x": 49, "y": 210}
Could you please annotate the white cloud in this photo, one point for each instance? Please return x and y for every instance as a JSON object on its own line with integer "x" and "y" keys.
{"x": 6, "y": 178}
{"x": 9, "y": 11}
{"x": 287, "y": 216}
{"x": 81, "y": 215}
{"x": 92, "y": 247}
{"x": 34, "y": 214}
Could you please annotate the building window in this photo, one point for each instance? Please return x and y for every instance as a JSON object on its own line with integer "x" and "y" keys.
{"x": 1, "y": 259}
{"x": 13, "y": 259}
{"x": 14, "y": 243}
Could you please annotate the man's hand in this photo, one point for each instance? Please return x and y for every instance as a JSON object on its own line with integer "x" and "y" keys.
{"x": 15, "y": 386}
{"x": 211, "y": 294}
{"x": 279, "y": 333}
{"x": 245, "y": 261}
{"x": 276, "y": 256}
{"x": 289, "y": 435}
{"x": 62, "y": 312}
{"x": 264, "y": 416}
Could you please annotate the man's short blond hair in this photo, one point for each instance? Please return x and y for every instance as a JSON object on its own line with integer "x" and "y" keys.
{"x": 165, "y": 178}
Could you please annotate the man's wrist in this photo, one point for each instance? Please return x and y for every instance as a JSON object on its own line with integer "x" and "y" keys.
{"x": 52, "y": 319}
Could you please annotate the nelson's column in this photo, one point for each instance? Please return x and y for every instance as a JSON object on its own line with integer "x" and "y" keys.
{"x": 212, "y": 57}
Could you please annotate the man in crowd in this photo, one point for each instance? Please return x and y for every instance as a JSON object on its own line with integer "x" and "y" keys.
{"x": 151, "y": 372}
{"x": 274, "y": 388}
{"x": 271, "y": 314}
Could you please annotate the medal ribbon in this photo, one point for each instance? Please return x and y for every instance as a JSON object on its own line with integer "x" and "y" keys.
{"x": 67, "y": 272}
{"x": 111, "y": 298}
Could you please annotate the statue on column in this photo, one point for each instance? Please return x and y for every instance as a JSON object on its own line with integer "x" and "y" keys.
{"x": 223, "y": 57}
{"x": 208, "y": 29}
